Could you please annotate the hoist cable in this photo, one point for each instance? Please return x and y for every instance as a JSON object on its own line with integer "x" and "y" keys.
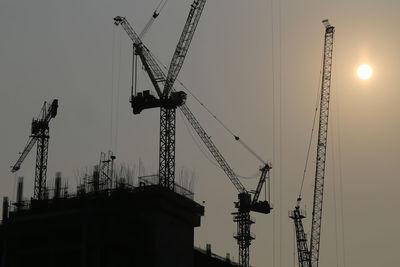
{"x": 255, "y": 175}
{"x": 196, "y": 142}
{"x": 237, "y": 138}
{"x": 309, "y": 148}
{"x": 134, "y": 72}
{"x": 117, "y": 95}
{"x": 112, "y": 89}
{"x": 339, "y": 147}
{"x": 274, "y": 216}
{"x": 311, "y": 136}
{"x": 205, "y": 154}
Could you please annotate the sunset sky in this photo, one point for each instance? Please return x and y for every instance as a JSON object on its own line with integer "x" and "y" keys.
{"x": 256, "y": 65}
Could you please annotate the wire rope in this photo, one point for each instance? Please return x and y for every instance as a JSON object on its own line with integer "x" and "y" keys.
{"x": 198, "y": 144}
{"x": 236, "y": 137}
{"x": 294, "y": 245}
{"x": 337, "y": 105}
{"x": 205, "y": 154}
{"x": 280, "y": 135}
{"x": 273, "y": 132}
{"x": 199, "y": 101}
{"x": 112, "y": 89}
{"x": 248, "y": 177}
{"x": 310, "y": 141}
{"x": 117, "y": 95}
{"x": 334, "y": 196}
{"x": 317, "y": 101}
{"x": 134, "y": 72}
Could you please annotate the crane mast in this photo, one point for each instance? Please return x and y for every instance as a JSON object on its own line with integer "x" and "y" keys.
{"x": 322, "y": 142}
{"x": 311, "y": 258}
{"x": 169, "y": 100}
{"x": 40, "y": 136}
{"x": 245, "y": 204}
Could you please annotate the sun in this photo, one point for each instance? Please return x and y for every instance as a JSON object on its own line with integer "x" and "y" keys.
{"x": 364, "y": 72}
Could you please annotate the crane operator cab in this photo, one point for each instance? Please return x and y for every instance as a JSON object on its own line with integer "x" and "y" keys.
{"x": 145, "y": 100}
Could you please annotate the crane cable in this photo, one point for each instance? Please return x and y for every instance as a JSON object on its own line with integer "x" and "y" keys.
{"x": 117, "y": 96}
{"x": 115, "y": 90}
{"x": 112, "y": 88}
{"x": 309, "y": 145}
{"x": 156, "y": 12}
{"x": 199, "y": 145}
{"x": 237, "y": 138}
{"x": 311, "y": 137}
{"x": 134, "y": 73}
{"x": 339, "y": 164}
{"x": 334, "y": 200}
{"x": 273, "y": 131}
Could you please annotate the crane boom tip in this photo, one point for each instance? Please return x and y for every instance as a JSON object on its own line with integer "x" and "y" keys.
{"x": 118, "y": 20}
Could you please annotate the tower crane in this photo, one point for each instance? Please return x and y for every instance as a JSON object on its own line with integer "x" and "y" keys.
{"x": 39, "y": 135}
{"x": 309, "y": 258}
{"x": 170, "y": 99}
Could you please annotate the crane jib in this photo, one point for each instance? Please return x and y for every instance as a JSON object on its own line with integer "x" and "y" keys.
{"x": 39, "y": 136}
{"x": 307, "y": 258}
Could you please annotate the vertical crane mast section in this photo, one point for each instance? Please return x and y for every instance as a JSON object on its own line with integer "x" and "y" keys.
{"x": 41, "y": 161}
{"x": 310, "y": 257}
{"x": 168, "y": 115}
{"x": 167, "y": 102}
{"x": 156, "y": 71}
{"x": 39, "y": 135}
{"x": 321, "y": 146}
{"x": 245, "y": 204}
{"x": 302, "y": 249}
{"x": 167, "y": 148}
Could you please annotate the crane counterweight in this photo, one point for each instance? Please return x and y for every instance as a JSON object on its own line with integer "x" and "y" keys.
{"x": 169, "y": 100}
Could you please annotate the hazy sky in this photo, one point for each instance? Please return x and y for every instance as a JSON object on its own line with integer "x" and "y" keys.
{"x": 256, "y": 65}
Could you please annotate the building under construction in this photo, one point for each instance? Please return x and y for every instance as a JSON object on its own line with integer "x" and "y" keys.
{"x": 110, "y": 221}
{"x": 121, "y": 225}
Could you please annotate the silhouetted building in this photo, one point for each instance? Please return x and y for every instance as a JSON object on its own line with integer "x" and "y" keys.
{"x": 127, "y": 226}
{"x": 207, "y": 258}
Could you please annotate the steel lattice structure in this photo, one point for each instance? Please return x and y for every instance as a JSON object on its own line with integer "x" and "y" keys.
{"x": 302, "y": 249}
{"x": 169, "y": 99}
{"x": 311, "y": 258}
{"x": 321, "y": 146}
{"x": 168, "y": 102}
{"x": 243, "y": 235}
{"x": 41, "y": 162}
{"x": 39, "y": 135}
